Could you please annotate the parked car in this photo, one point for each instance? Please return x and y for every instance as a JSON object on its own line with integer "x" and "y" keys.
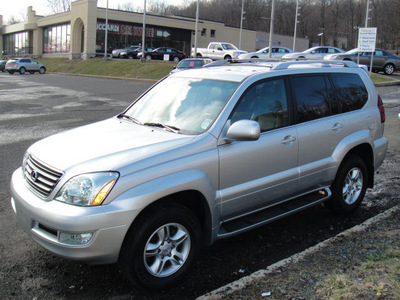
{"x": 204, "y": 154}
{"x": 191, "y": 63}
{"x": 3, "y": 65}
{"x": 277, "y": 52}
{"x": 383, "y": 61}
{"x": 318, "y": 52}
{"x": 218, "y": 50}
{"x": 133, "y": 53}
{"x": 117, "y": 52}
{"x": 23, "y": 65}
{"x": 160, "y": 54}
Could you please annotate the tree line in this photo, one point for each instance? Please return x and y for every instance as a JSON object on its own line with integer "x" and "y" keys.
{"x": 338, "y": 20}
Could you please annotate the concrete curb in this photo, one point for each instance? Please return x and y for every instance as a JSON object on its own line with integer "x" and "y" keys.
{"x": 237, "y": 285}
{"x": 106, "y": 77}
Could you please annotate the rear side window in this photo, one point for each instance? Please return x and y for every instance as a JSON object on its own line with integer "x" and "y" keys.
{"x": 314, "y": 97}
{"x": 350, "y": 91}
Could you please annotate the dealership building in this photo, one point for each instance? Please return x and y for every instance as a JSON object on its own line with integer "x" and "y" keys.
{"x": 80, "y": 33}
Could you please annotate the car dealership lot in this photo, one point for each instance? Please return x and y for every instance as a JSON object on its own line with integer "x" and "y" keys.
{"x": 32, "y": 107}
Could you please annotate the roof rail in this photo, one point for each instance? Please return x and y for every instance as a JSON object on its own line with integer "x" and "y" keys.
{"x": 322, "y": 63}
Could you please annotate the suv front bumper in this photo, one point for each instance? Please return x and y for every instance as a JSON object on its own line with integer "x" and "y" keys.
{"x": 45, "y": 221}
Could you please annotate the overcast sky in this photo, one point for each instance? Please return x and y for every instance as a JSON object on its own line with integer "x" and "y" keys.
{"x": 18, "y": 8}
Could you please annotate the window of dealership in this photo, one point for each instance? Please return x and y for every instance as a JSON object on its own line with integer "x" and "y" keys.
{"x": 121, "y": 34}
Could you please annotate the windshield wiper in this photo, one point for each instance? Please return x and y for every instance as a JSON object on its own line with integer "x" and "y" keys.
{"x": 130, "y": 118}
{"x": 167, "y": 127}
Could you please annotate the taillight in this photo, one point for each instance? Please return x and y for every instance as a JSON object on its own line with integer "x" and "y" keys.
{"x": 381, "y": 109}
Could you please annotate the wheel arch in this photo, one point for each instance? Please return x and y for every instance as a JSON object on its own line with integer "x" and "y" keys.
{"x": 364, "y": 151}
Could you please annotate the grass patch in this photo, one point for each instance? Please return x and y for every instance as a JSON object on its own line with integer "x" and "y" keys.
{"x": 379, "y": 275}
{"x": 125, "y": 68}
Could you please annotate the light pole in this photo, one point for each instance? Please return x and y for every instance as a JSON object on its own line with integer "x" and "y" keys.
{"x": 271, "y": 29}
{"x": 106, "y": 33}
{"x": 143, "y": 59}
{"x": 366, "y": 15}
{"x": 241, "y": 26}
{"x": 295, "y": 25}
{"x": 196, "y": 29}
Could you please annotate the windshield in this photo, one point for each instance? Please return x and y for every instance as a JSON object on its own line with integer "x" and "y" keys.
{"x": 190, "y": 64}
{"x": 188, "y": 105}
{"x": 229, "y": 47}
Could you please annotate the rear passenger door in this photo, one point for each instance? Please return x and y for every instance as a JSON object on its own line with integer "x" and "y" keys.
{"x": 255, "y": 174}
{"x": 320, "y": 129}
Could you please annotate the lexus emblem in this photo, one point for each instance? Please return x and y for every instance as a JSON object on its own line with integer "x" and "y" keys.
{"x": 34, "y": 175}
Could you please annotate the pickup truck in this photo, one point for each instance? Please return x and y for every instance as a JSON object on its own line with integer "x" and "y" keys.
{"x": 218, "y": 50}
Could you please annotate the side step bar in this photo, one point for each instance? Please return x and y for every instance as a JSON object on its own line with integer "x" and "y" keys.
{"x": 273, "y": 213}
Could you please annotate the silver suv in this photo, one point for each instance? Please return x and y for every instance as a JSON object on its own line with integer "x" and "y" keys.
{"x": 203, "y": 155}
{"x": 23, "y": 65}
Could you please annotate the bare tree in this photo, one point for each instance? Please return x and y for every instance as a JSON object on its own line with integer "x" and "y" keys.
{"x": 58, "y": 6}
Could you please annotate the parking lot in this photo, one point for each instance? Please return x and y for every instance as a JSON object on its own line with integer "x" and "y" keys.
{"x": 33, "y": 107}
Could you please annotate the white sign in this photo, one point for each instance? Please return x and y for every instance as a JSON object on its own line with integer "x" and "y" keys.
{"x": 166, "y": 57}
{"x": 366, "y": 39}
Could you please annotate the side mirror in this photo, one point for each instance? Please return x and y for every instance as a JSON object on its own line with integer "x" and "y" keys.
{"x": 244, "y": 130}
{"x": 313, "y": 52}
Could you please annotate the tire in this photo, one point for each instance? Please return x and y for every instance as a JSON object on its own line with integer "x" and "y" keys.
{"x": 22, "y": 71}
{"x": 148, "y": 57}
{"x": 42, "y": 70}
{"x": 254, "y": 57}
{"x": 160, "y": 247}
{"x": 227, "y": 57}
{"x": 176, "y": 59}
{"x": 389, "y": 69}
{"x": 130, "y": 56}
{"x": 350, "y": 185}
{"x": 198, "y": 55}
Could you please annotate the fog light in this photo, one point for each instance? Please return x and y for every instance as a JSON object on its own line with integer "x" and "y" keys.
{"x": 75, "y": 238}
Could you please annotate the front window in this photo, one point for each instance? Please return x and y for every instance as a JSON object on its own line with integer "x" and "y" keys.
{"x": 189, "y": 105}
{"x": 229, "y": 47}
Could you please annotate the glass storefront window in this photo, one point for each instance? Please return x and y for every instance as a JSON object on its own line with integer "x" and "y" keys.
{"x": 17, "y": 43}
{"x": 56, "y": 39}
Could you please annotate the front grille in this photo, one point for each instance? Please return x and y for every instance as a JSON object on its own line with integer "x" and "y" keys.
{"x": 40, "y": 177}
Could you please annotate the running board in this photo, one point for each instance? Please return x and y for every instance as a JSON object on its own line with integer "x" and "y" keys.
{"x": 273, "y": 213}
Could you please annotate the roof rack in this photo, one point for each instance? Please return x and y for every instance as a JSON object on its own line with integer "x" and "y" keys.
{"x": 322, "y": 63}
{"x": 280, "y": 64}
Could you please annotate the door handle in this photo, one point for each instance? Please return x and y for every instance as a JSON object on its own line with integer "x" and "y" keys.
{"x": 288, "y": 139}
{"x": 337, "y": 127}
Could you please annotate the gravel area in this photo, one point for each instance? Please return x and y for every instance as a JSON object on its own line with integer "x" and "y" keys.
{"x": 346, "y": 266}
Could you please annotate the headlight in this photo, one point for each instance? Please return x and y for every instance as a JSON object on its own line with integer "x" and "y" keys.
{"x": 87, "y": 189}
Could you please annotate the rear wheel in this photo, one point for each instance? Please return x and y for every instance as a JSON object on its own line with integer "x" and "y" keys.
{"x": 350, "y": 185}
{"x": 388, "y": 69}
{"x": 22, "y": 70}
{"x": 148, "y": 57}
{"x": 160, "y": 247}
{"x": 176, "y": 59}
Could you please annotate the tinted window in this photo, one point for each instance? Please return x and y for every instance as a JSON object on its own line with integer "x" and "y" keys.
{"x": 350, "y": 91}
{"x": 313, "y": 99}
{"x": 266, "y": 103}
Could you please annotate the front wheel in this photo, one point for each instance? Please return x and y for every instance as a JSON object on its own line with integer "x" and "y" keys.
{"x": 350, "y": 185}
{"x": 389, "y": 69}
{"x": 148, "y": 57}
{"x": 176, "y": 59}
{"x": 42, "y": 70}
{"x": 160, "y": 247}
{"x": 22, "y": 71}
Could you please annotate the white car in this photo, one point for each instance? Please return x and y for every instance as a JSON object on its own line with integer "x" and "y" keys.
{"x": 318, "y": 52}
{"x": 277, "y": 52}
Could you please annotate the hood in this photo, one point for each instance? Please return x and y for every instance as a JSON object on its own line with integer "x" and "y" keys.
{"x": 109, "y": 144}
